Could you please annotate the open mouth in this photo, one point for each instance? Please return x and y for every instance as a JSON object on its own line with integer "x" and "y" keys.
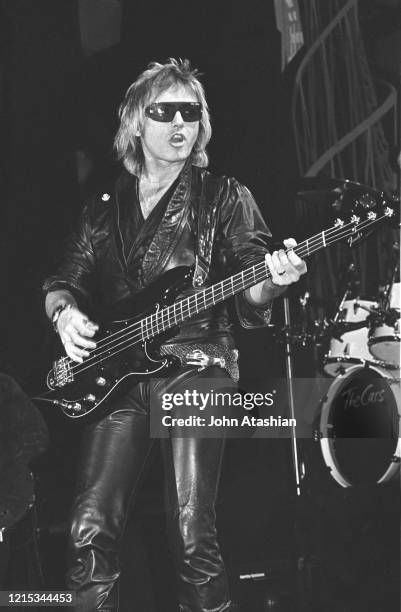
{"x": 177, "y": 139}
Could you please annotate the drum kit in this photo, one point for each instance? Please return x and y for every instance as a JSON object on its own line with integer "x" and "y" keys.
{"x": 357, "y": 348}
{"x": 360, "y": 416}
{"x": 365, "y": 332}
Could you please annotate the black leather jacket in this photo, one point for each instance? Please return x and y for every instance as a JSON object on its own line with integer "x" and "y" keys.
{"x": 101, "y": 264}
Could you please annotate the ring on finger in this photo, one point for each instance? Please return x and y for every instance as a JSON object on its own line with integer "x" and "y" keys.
{"x": 281, "y": 273}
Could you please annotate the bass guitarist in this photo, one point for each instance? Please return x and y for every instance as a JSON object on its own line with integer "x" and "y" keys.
{"x": 164, "y": 211}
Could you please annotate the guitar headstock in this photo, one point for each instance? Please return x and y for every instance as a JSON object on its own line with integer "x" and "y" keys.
{"x": 359, "y": 213}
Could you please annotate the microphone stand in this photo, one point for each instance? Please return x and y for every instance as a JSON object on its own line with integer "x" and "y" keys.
{"x": 303, "y": 545}
{"x": 290, "y": 392}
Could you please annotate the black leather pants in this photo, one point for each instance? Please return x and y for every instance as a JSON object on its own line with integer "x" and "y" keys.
{"x": 114, "y": 455}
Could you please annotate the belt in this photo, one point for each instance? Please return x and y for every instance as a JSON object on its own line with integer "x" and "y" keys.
{"x": 204, "y": 355}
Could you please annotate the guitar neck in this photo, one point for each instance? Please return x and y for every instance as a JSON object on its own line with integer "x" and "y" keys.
{"x": 166, "y": 318}
{"x": 183, "y": 310}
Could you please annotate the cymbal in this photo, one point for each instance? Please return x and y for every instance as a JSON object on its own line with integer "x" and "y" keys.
{"x": 327, "y": 189}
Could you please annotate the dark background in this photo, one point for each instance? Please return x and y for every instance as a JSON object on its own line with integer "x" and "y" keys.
{"x": 56, "y": 100}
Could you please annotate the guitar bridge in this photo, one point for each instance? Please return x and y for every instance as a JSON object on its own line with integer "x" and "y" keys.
{"x": 61, "y": 374}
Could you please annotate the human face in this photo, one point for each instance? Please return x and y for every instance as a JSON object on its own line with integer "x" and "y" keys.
{"x": 171, "y": 143}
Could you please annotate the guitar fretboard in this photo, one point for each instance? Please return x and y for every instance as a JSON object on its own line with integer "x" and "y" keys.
{"x": 185, "y": 309}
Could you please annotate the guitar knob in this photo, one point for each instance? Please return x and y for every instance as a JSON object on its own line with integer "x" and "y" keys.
{"x": 90, "y": 397}
{"x": 101, "y": 381}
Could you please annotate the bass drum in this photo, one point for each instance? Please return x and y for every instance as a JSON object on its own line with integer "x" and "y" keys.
{"x": 360, "y": 426}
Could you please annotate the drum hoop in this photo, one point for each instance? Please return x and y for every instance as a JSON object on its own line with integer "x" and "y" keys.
{"x": 344, "y": 359}
{"x": 326, "y": 442}
{"x": 351, "y": 361}
{"x": 379, "y": 339}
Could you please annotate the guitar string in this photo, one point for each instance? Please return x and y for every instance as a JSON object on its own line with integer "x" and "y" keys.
{"x": 159, "y": 316}
{"x": 132, "y": 339}
{"x": 158, "y": 322}
{"x": 125, "y": 334}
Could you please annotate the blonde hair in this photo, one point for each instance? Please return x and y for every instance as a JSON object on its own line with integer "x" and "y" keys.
{"x": 154, "y": 80}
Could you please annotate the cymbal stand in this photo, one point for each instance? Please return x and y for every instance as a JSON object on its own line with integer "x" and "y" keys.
{"x": 386, "y": 301}
{"x": 290, "y": 391}
{"x": 339, "y": 311}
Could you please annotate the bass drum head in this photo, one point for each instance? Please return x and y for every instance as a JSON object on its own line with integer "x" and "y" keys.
{"x": 359, "y": 426}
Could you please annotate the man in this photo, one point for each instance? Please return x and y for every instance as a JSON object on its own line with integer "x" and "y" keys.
{"x": 164, "y": 211}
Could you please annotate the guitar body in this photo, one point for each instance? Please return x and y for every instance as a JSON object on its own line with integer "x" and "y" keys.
{"x": 81, "y": 390}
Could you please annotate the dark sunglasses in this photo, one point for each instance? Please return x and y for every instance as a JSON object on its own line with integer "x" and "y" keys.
{"x": 165, "y": 111}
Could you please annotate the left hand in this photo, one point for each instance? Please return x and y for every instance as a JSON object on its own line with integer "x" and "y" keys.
{"x": 285, "y": 267}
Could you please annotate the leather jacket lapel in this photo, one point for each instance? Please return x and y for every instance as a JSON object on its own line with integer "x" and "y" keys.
{"x": 170, "y": 229}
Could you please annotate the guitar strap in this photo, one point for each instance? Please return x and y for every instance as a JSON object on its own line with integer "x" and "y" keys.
{"x": 212, "y": 188}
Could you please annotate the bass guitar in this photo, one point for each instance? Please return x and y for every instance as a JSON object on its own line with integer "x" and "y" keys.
{"x": 127, "y": 348}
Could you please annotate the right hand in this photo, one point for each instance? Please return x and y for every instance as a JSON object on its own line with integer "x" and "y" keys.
{"x": 75, "y": 331}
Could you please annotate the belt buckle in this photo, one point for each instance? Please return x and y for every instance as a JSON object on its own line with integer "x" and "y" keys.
{"x": 199, "y": 358}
